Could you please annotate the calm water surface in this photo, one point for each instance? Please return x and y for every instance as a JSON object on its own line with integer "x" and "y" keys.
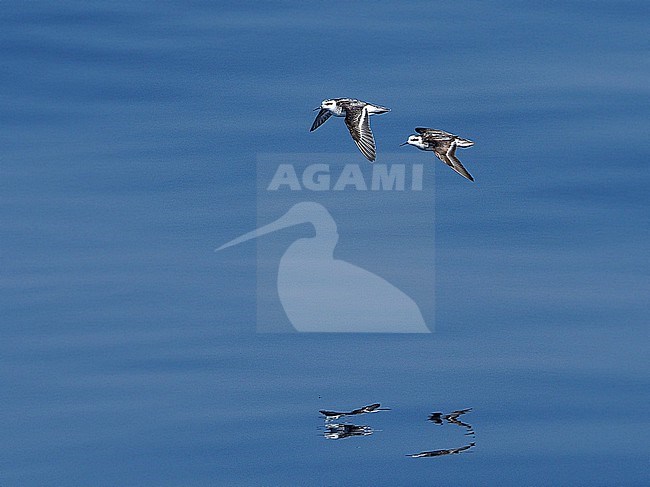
{"x": 129, "y": 354}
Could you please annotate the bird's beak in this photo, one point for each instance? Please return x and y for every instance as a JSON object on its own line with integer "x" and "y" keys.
{"x": 317, "y": 108}
{"x": 403, "y": 144}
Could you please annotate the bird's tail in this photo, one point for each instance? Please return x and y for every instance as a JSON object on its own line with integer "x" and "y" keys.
{"x": 464, "y": 142}
{"x": 377, "y": 109}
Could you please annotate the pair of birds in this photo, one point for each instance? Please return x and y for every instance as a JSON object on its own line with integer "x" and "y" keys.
{"x": 357, "y": 119}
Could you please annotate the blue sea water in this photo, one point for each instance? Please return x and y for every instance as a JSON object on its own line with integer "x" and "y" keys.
{"x": 129, "y": 353}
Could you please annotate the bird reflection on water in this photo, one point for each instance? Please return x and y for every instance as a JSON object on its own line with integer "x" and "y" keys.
{"x": 372, "y": 408}
{"x": 337, "y": 431}
{"x": 438, "y": 453}
{"x": 452, "y": 418}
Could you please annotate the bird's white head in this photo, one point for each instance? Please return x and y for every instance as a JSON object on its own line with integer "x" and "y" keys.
{"x": 329, "y": 105}
{"x": 415, "y": 140}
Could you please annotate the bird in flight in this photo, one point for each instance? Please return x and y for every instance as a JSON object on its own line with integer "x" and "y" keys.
{"x": 443, "y": 144}
{"x": 357, "y": 119}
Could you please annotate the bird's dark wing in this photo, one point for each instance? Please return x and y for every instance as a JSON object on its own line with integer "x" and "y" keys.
{"x": 460, "y": 169}
{"x": 446, "y": 152}
{"x": 440, "y": 149}
{"x": 434, "y": 134}
{"x": 358, "y": 123}
{"x": 320, "y": 119}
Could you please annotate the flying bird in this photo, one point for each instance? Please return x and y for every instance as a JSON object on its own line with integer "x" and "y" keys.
{"x": 443, "y": 144}
{"x": 357, "y": 119}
